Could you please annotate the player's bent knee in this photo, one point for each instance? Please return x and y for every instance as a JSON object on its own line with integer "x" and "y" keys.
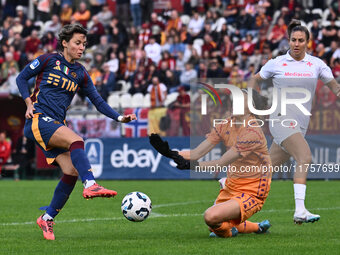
{"x": 77, "y": 144}
{"x": 210, "y": 218}
{"x": 304, "y": 159}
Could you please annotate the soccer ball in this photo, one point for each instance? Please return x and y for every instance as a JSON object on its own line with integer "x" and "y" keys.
{"x": 136, "y": 206}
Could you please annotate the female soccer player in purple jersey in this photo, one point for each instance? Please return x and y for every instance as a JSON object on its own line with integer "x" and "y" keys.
{"x": 294, "y": 71}
{"x": 59, "y": 77}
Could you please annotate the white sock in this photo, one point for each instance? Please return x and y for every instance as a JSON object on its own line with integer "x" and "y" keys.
{"x": 46, "y": 217}
{"x": 89, "y": 183}
{"x": 299, "y": 195}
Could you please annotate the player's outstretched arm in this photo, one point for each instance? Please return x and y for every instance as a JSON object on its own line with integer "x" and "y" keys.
{"x": 127, "y": 118}
{"x": 255, "y": 82}
{"x": 335, "y": 87}
{"x": 227, "y": 158}
{"x": 163, "y": 148}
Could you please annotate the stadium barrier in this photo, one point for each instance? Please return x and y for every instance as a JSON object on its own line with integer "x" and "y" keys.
{"x": 136, "y": 159}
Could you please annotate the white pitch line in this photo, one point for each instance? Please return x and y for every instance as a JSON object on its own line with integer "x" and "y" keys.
{"x": 158, "y": 215}
{"x": 182, "y": 203}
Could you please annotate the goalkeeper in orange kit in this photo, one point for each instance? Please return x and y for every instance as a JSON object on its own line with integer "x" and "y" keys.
{"x": 248, "y": 169}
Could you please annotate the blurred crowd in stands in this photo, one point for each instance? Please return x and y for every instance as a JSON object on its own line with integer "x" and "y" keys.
{"x": 137, "y": 50}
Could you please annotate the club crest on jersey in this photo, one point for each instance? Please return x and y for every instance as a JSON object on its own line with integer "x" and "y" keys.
{"x": 34, "y": 64}
{"x": 66, "y": 70}
{"x": 74, "y": 75}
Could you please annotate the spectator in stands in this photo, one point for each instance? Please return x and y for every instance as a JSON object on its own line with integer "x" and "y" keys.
{"x": 188, "y": 75}
{"x": 101, "y": 88}
{"x": 5, "y": 149}
{"x": 180, "y": 62}
{"x": 277, "y": 34}
{"x": 99, "y": 60}
{"x": 145, "y": 60}
{"x": 246, "y": 46}
{"x": 95, "y": 32}
{"x": 109, "y": 79}
{"x": 43, "y": 9}
{"x": 336, "y": 55}
{"x": 96, "y": 6}
{"x": 122, "y": 66}
{"x": 122, "y": 11}
{"x": 166, "y": 57}
{"x": 209, "y": 45}
{"x": 94, "y": 73}
{"x": 230, "y": 13}
{"x": 17, "y": 27}
{"x": 24, "y": 155}
{"x": 156, "y": 27}
{"x": 324, "y": 96}
{"x": 158, "y": 93}
{"x": 331, "y": 50}
{"x": 236, "y": 77}
{"x": 166, "y": 12}
{"x": 18, "y": 43}
{"x": 105, "y": 16}
{"x": 66, "y": 14}
{"x": 28, "y": 28}
{"x": 136, "y": 13}
{"x": 49, "y": 40}
{"x": 171, "y": 80}
{"x": 329, "y": 34}
{"x": 315, "y": 30}
{"x": 333, "y": 15}
{"x": 113, "y": 63}
{"x": 10, "y": 85}
{"x": 195, "y": 25}
{"x": 139, "y": 84}
{"x": 147, "y": 9}
{"x": 103, "y": 47}
{"x": 244, "y": 22}
{"x": 53, "y": 25}
{"x": 21, "y": 14}
{"x": 82, "y": 15}
{"x": 153, "y": 50}
{"x": 176, "y": 47}
{"x": 179, "y": 113}
{"x": 32, "y": 42}
{"x": 214, "y": 70}
{"x": 87, "y": 61}
{"x": 174, "y": 22}
{"x": 7, "y": 64}
{"x": 336, "y": 69}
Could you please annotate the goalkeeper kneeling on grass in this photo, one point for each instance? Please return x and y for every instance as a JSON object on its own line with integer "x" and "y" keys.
{"x": 247, "y": 186}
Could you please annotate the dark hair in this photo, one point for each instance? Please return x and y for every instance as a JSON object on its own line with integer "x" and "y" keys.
{"x": 67, "y": 32}
{"x": 295, "y": 25}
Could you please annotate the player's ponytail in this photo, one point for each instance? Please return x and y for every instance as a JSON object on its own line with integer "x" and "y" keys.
{"x": 66, "y": 33}
{"x": 295, "y": 25}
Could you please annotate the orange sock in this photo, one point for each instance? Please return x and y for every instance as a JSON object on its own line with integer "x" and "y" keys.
{"x": 224, "y": 230}
{"x": 247, "y": 227}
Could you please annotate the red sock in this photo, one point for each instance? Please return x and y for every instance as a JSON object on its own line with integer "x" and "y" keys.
{"x": 247, "y": 227}
{"x": 224, "y": 230}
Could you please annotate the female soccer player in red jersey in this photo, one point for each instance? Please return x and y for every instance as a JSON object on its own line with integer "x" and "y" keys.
{"x": 59, "y": 77}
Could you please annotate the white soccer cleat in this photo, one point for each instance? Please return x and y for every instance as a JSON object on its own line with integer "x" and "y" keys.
{"x": 305, "y": 217}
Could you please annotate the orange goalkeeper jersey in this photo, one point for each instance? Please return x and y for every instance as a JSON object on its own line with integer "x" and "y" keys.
{"x": 251, "y": 173}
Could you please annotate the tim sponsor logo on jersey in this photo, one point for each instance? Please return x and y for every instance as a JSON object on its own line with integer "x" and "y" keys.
{"x": 298, "y": 74}
{"x": 65, "y": 83}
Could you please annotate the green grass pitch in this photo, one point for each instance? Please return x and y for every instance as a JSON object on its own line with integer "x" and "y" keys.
{"x": 175, "y": 226}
